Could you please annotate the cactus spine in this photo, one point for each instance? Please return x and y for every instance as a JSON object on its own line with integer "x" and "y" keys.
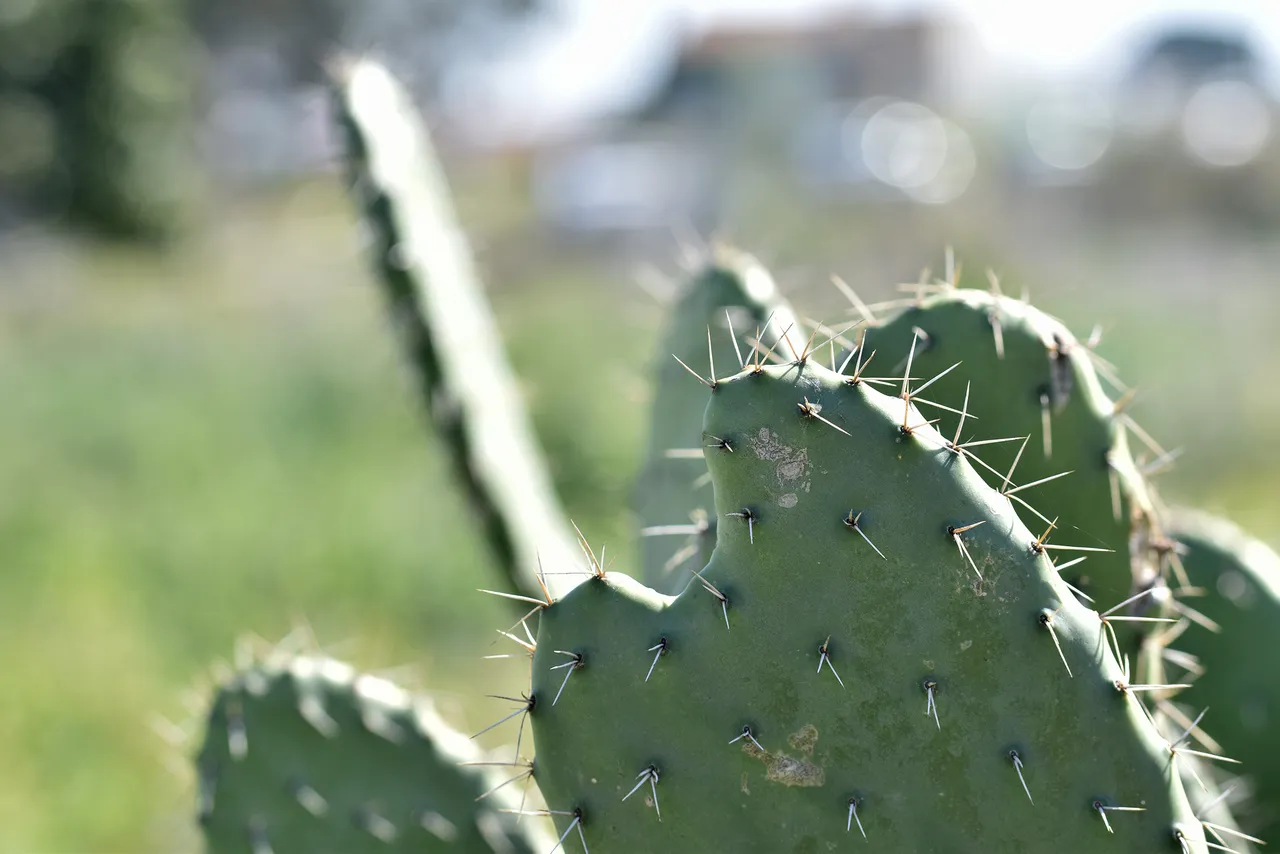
{"x": 1240, "y": 578}
{"x": 1038, "y": 381}
{"x": 843, "y": 518}
{"x": 1024, "y": 377}
{"x": 673, "y": 493}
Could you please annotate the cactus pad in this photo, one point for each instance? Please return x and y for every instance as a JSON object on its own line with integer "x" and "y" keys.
{"x": 673, "y": 493}
{"x": 450, "y": 337}
{"x": 302, "y": 755}
{"x": 1241, "y": 681}
{"x": 1026, "y": 375}
{"x": 878, "y": 646}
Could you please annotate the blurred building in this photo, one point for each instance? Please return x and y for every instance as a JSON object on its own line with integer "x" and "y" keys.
{"x": 632, "y": 116}
{"x": 738, "y": 94}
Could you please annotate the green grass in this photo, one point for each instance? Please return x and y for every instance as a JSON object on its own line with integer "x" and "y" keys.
{"x": 189, "y": 457}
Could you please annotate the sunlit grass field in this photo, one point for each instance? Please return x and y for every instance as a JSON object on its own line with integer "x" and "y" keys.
{"x": 228, "y": 442}
{"x": 225, "y": 441}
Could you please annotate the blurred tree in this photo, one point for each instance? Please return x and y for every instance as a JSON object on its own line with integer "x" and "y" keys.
{"x": 100, "y": 99}
{"x": 107, "y": 86}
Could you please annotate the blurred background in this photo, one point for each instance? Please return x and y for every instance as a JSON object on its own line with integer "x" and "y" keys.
{"x": 206, "y": 429}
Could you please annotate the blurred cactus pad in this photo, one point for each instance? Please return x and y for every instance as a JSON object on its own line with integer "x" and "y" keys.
{"x": 877, "y": 647}
{"x": 305, "y": 754}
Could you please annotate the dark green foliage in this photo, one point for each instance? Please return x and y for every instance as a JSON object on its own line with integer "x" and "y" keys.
{"x": 759, "y": 746}
{"x": 116, "y": 81}
{"x": 302, "y": 755}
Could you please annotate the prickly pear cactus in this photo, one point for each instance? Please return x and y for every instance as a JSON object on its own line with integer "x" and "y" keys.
{"x": 877, "y": 648}
{"x": 448, "y": 333}
{"x": 673, "y": 492}
{"x": 1215, "y": 798}
{"x": 1035, "y": 379}
{"x": 1240, "y": 683}
{"x": 1026, "y": 378}
{"x": 302, "y": 754}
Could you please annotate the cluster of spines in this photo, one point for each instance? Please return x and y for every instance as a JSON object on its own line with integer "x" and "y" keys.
{"x": 1154, "y": 558}
{"x": 930, "y": 686}
{"x": 1153, "y": 561}
{"x": 671, "y": 492}
{"x": 1241, "y": 579}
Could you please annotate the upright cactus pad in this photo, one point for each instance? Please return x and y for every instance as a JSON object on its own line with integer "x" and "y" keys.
{"x": 1240, "y": 683}
{"x": 1025, "y": 375}
{"x": 878, "y": 647}
{"x": 304, "y": 755}
{"x": 450, "y": 337}
{"x": 673, "y": 492}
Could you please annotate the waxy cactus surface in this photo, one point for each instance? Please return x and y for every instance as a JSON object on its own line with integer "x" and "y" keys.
{"x": 1027, "y": 379}
{"x": 731, "y": 294}
{"x": 302, "y": 754}
{"x": 877, "y": 646}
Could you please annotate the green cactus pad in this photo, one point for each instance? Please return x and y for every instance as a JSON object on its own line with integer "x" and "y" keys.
{"x": 673, "y": 493}
{"x": 1241, "y": 681}
{"x": 302, "y": 754}
{"x": 812, "y": 689}
{"x": 1026, "y": 375}
{"x": 1214, "y": 797}
{"x": 450, "y": 337}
